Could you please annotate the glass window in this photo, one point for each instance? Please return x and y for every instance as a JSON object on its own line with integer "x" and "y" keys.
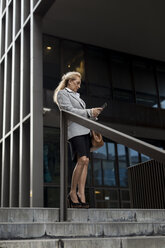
{"x": 109, "y": 173}
{"x": 144, "y": 158}
{"x": 161, "y": 85}
{"x": 122, "y": 160}
{"x": 52, "y": 155}
{"x": 121, "y": 79}
{"x": 106, "y": 198}
{"x": 99, "y": 194}
{"x": 97, "y": 73}
{"x": 73, "y": 57}
{"x": 111, "y": 151}
{"x": 145, "y": 84}
{"x": 133, "y": 156}
{"x": 51, "y": 65}
{"x": 113, "y": 194}
{"x": 52, "y": 197}
{"x": 125, "y": 195}
{"x": 97, "y": 172}
{"x": 97, "y": 66}
{"x": 101, "y": 152}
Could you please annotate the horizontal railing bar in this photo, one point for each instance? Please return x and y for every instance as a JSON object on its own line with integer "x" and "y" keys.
{"x": 119, "y": 137}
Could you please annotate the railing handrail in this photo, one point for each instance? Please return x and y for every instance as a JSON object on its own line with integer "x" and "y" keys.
{"x": 119, "y": 137}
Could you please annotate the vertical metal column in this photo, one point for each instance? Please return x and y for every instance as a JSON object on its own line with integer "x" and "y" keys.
{"x": 63, "y": 167}
{"x": 36, "y": 106}
{"x": 12, "y": 176}
{"x": 4, "y": 189}
{"x": 23, "y": 163}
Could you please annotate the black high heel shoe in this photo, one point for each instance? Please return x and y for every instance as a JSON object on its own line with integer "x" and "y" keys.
{"x": 83, "y": 204}
{"x": 72, "y": 204}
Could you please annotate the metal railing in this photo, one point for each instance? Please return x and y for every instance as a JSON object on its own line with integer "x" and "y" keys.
{"x": 119, "y": 137}
{"x": 147, "y": 185}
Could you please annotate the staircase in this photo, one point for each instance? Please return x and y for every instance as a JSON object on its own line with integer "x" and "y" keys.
{"x": 92, "y": 228}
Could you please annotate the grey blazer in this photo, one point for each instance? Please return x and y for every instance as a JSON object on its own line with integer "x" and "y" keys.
{"x": 70, "y": 101}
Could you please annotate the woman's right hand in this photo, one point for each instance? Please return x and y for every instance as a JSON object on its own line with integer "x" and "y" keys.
{"x": 96, "y": 111}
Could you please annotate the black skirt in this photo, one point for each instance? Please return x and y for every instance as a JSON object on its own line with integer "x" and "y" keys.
{"x": 80, "y": 146}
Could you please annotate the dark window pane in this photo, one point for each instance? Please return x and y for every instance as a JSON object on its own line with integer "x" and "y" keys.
{"x": 161, "y": 85}
{"x": 99, "y": 91}
{"x": 122, "y": 165}
{"x": 97, "y": 67}
{"x": 73, "y": 57}
{"x": 125, "y": 205}
{"x": 51, "y": 65}
{"x": 99, "y": 194}
{"x": 121, "y": 79}
{"x": 97, "y": 74}
{"x": 97, "y": 171}
{"x": 125, "y": 195}
{"x": 145, "y": 84}
{"x": 112, "y": 194}
{"x": 52, "y": 155}
{"x": 133, "y": 156}
{"x": 109, "y": 173}
{"x": 52, "y": 197}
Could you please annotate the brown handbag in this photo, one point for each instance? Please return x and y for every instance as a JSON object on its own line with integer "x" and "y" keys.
{"x": 96, "y": 140}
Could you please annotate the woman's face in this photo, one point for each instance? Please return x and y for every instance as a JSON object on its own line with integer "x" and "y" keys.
{"x": 74, "y": 84}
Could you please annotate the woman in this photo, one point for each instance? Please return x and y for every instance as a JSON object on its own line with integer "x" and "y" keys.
{"x": 67, "y": 98}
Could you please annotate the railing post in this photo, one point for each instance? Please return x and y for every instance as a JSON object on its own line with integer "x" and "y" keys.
{"x": 63, "y": 167}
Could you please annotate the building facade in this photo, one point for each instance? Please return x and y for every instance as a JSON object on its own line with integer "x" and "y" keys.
{"x": 34, "y": 53}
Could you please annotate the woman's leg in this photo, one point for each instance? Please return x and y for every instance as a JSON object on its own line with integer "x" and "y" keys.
{"x": 77, "y": 172}
{"x": 82, "y": 181}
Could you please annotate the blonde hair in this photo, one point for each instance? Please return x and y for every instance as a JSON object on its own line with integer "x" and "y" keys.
{"x": 64, "y": 82}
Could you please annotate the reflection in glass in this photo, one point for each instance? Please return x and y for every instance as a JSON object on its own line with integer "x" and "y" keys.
{"x": 144, "y": 158}
{"x": 99, "y": 194}
{"x": 133, "y": 156}
{"x": 111, "y": 151}
{"x": 101, "y": 152}
{"x": 109, "y": 173}
{"x": 73, "y": 57}
{"x": 145, "y": 84}
{"x": 122, "y": 160}
{"x": 121, "y": 79}
{"x": 97, "y": 171}
{"x": 51, "y": 62}
{"x": 161, "y": 85}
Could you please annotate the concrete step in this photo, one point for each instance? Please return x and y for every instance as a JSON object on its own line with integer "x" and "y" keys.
{"x": 28, "y": 215}
{"x": 130, "y": 242}
{"x": 116, "y": 215}
{"x": 140, "y": 242}
{"x": 40, "y": 215}
{"x": 71, "y": 230}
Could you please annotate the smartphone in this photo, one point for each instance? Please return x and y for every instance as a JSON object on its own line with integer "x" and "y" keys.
{"x": 104, "y": 105}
